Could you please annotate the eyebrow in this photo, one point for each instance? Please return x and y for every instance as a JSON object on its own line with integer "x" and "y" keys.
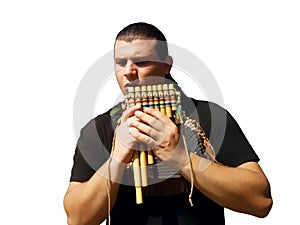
{"x": 138, "y": 58}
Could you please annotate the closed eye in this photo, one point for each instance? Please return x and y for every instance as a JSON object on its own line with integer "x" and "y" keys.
{"x": 121, "y": 62}
{"x": 142, "y": 63}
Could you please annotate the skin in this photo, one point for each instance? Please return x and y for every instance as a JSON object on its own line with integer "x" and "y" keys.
{"x": 243, "y": 189}
{"x": 137, "y": 62}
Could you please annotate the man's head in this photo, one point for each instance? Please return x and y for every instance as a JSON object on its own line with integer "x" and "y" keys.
{"x": 141, "y": 52}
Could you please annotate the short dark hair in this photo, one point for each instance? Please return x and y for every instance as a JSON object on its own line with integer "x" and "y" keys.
{"x": 145, "y": 31}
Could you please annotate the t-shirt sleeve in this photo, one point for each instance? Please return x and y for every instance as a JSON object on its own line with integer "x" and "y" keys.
{"x": 90, "y": 153}
{"x": 235, "y": 148}
{"x": 230, "y": 143}
{"x": 81, "y": 170}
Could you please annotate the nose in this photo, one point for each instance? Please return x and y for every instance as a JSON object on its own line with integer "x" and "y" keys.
{"x": 130, "y": 71}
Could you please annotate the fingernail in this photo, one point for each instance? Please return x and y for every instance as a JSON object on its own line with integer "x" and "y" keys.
{"x": 138, "y": 113}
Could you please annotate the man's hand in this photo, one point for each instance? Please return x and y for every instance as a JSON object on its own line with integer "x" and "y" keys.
{"x": 161, "y": 134}
{"x": 125, "y": 142}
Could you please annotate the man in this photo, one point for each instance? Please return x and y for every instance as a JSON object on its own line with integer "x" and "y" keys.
{"x": 235, "y": 180}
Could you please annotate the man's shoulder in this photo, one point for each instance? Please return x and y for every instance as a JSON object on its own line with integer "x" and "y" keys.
{"x": 205, "y": 107}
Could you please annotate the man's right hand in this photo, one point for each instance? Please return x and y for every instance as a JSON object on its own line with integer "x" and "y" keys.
{"x": 125, "y": 143}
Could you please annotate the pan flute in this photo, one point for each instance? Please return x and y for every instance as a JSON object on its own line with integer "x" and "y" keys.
{"x": 166, "y": 99}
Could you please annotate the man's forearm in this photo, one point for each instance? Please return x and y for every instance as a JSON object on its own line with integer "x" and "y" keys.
{"x": 87, "y": 203}
{"x": 244, "y": 189}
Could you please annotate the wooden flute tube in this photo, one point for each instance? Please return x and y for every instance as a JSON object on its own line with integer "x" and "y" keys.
{"x": 146, "y": 156}
{"x": 167, "y": 103}
{"x": 134, "y": 99}
{"x": 141, "y": 99}
{"x": 137, "y": 177}
{"x": 150, "y": 155}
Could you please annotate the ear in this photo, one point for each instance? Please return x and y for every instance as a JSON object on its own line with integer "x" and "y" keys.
{"x": 169, "y": 64}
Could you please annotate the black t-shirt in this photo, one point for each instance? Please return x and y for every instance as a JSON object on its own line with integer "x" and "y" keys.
{"x": 231, "y": 147}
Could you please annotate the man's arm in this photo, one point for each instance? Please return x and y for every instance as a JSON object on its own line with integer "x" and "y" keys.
{"x": 87, "y": 203}
{"x": 244, "y": 188}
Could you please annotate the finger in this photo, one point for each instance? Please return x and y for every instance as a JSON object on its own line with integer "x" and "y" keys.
{"x": 131, "y": 119}
{"x": 125, "y": 136}
{"x": 149, "y": 141}
{"x": 125, "y": 129}
{"x": 153, "y": 113}
{"x": 144, "y": 128}
{"x": 157, "y": 114}
{"x": 154, "y": 122}
{"x": 129, "y": 112}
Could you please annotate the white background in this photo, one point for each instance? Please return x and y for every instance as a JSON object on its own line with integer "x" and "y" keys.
{"x": 251, "y": 47}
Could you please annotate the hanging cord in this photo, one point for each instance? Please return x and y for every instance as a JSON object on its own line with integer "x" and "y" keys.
{"x": 180, "y": 114}
{"x": 108, "y": 181}
{"x": 194, "y": 130}
{"x": 190, "y": 166}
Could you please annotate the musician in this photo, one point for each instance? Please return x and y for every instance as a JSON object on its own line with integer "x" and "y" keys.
{"x": 98, "y": 187}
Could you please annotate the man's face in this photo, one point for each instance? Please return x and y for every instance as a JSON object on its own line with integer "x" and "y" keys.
{"x": 137, "y": 61}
